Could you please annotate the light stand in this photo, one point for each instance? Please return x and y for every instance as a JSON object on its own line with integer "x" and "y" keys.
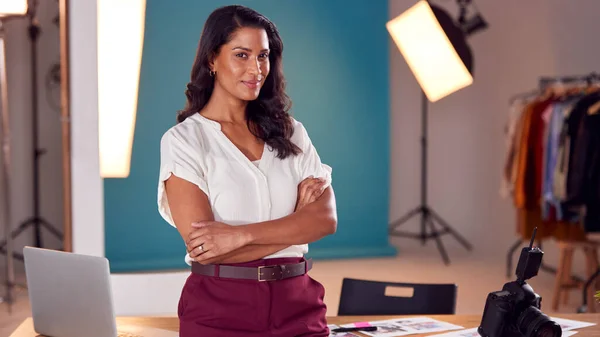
{"x": 10, "y": 272}
{"x": 435, "y": 49}
{"x": 36, "y": 221}
{"x": 429, "y": 217}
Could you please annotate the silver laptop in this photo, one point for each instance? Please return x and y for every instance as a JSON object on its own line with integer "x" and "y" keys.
{"x": 71, "y": 296}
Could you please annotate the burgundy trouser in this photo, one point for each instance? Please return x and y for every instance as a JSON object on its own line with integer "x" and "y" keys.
{"x": 216, "y": 306}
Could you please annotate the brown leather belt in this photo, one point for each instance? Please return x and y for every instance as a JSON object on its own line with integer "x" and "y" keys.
{"x": 261, "y": 273}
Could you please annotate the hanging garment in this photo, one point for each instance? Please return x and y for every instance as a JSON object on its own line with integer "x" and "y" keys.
{"x": 554, "y": 121}
{"x": 583, "y": 178}
{"x": 592, "y": 204}
{"x": 512, "y": 134}
{"x": 527, "y": 188}
{"x": 529, "y": 171}
{"x": 567, "y": 141}
{"x": 529, "y": 168}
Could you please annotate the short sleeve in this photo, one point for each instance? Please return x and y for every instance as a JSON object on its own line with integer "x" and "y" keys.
{"x": 309, "y": 162}
{"x": 182, "y": 160}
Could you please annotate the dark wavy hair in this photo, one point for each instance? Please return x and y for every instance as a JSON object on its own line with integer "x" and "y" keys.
{"x": 267, "y": 116}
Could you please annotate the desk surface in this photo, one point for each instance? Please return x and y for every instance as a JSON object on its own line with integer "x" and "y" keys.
{"x": 468, "y": 321}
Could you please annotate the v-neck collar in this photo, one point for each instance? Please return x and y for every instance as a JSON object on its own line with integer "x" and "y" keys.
{"x": 264, "y": 161}
{"x": 216, "y": 125}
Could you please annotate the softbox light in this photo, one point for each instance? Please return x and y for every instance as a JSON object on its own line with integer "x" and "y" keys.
{"x": 121, "y": 27}
{"x": 435, "y": 49}
{"x": 13, "y": 7}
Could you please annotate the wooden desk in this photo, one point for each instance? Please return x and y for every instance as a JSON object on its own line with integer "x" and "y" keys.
{"x": 468, "y": 321}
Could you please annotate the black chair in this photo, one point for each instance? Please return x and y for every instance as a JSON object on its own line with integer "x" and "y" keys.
{"x": 363, "y": 298}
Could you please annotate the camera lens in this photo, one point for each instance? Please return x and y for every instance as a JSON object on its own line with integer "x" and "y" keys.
{"x": 534, "y": 323}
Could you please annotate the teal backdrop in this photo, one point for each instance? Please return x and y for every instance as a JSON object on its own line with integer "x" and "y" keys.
{"x": 336, "y": 63}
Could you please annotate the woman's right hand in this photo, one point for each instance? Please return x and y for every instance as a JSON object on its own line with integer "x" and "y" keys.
{"x": 309, "y": 190}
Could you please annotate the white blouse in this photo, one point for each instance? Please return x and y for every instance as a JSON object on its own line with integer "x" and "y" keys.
{"x": 239, "y": 191}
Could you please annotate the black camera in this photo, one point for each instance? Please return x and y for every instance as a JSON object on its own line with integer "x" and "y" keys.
{"x": 515, "y": 311}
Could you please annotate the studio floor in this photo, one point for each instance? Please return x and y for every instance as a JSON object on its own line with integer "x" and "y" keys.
{"x": 475, "y": 274}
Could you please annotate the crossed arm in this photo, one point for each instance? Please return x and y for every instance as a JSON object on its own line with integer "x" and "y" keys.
{"x": 223, "y": 243}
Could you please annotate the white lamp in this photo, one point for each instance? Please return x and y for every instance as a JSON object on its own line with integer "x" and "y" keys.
{"x": 120, "y": 44}
{"x": 434, "y": 49}
{"x": 13, "y": 7}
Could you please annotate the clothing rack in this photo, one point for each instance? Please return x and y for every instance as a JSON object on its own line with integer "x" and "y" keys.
{"x": 588, "y": 79}
{"x": 544, "y": 82}
{"x": 522, "y": 95}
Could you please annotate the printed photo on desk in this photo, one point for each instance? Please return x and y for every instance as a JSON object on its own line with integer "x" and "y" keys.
{"x": 406, "y": 326}
{"x": 473, "y": 333}
{"x": 389, "y": 330}
{"x": 385, "y": 328}
{"x": 426, "y": 324}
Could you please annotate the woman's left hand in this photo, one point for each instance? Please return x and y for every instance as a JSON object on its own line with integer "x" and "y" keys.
{"x": 210, "y": 239}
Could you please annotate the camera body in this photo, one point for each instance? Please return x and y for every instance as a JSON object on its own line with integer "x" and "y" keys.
{"x": 507, "y": 309}
{"x": 515, "y": 311}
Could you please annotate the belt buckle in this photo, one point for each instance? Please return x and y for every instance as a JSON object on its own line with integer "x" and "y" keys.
{"x": 262, "y": 273}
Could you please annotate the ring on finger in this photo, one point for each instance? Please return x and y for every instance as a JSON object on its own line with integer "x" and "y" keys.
{"x": 200, "y": 248}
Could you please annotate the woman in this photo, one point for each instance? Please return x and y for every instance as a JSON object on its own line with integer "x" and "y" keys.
{"x": 245, "y": 188}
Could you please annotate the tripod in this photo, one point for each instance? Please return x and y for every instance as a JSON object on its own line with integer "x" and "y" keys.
{"x": 36, "y": 221}
{"x": 429, "y": 217}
